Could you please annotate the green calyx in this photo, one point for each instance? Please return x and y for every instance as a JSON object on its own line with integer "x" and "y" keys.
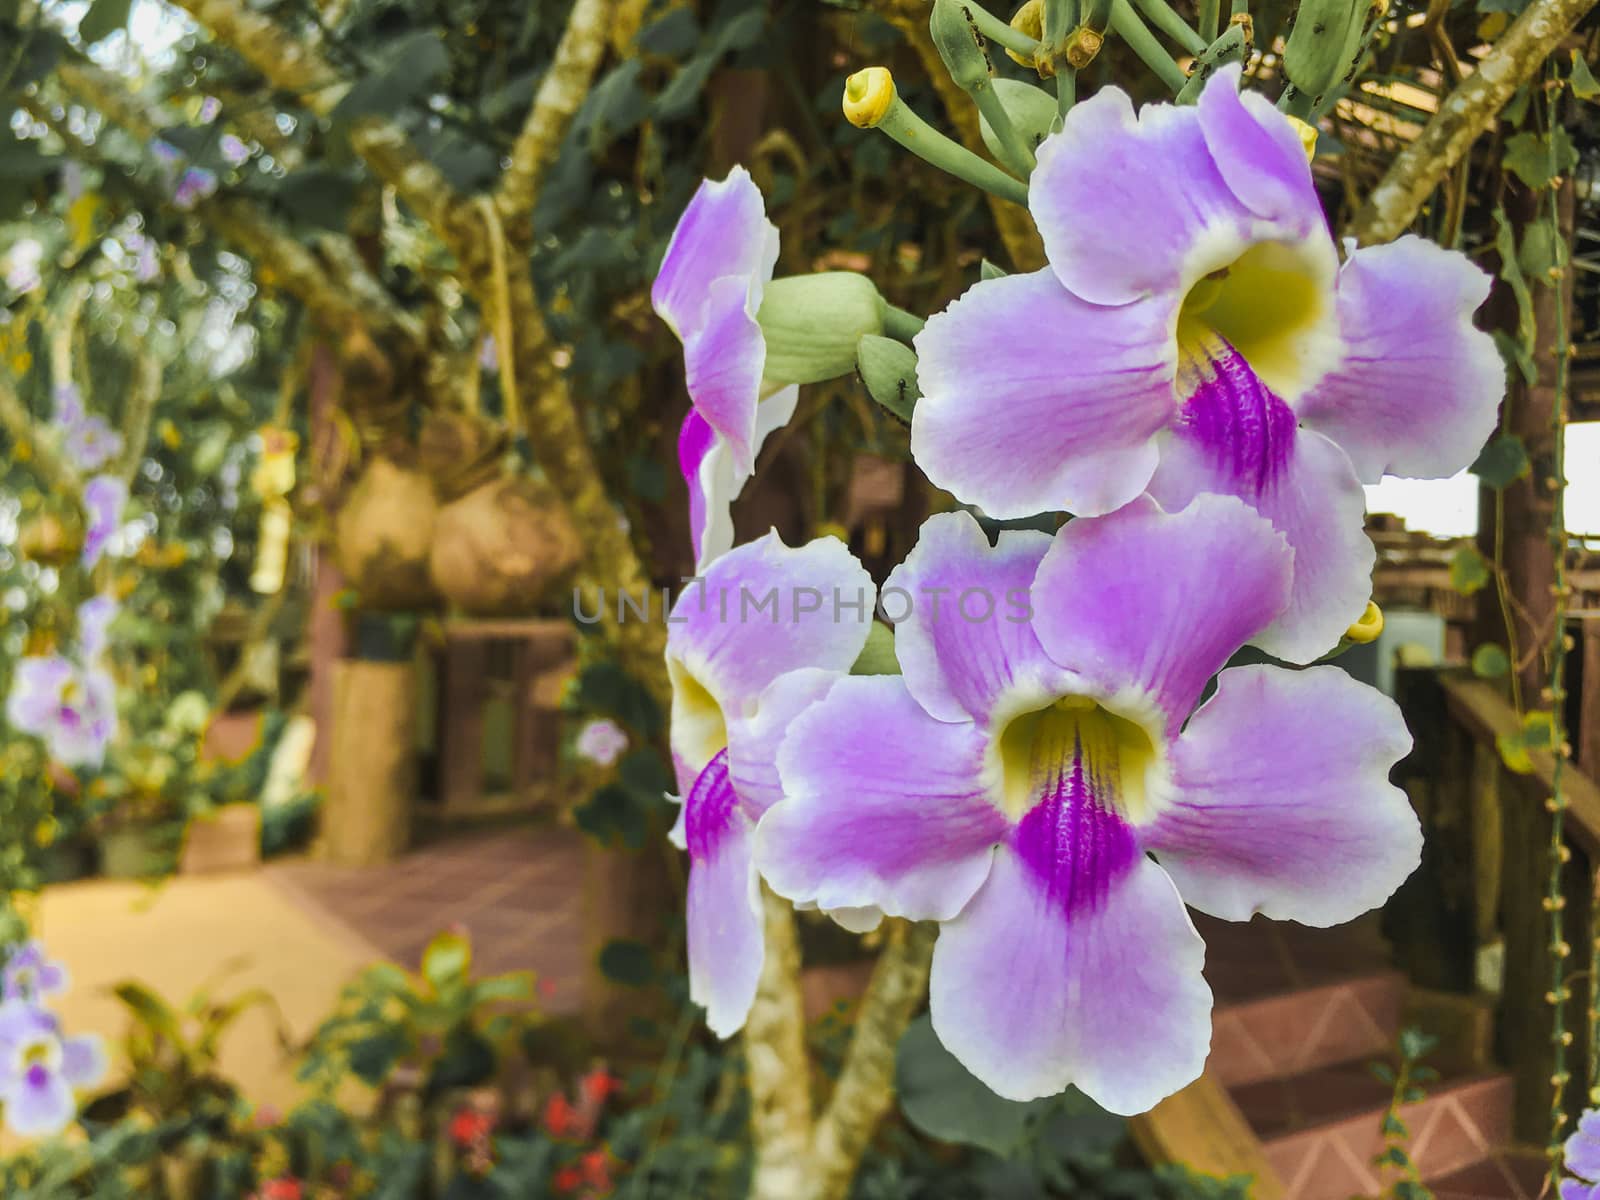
{"x": 812, "y": 324}
{"x": 889, "y": 369}
{"x": 1030, "y": 111}
{"x": 1328, "y": 39}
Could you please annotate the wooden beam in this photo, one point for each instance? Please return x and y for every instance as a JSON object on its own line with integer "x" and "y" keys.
{"x": 1202, "y": 1128}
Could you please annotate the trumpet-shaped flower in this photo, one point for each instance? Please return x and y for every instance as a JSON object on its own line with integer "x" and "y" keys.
{"x": 30, "y": 974}
{"x": 1195, "y": 332}
{"x": 39, "y": 1068}
{"x": 72, "y": 708}
{"x": 104, "y": 498}
{"x": 1014, "y": 783}
{"x": 709, "y": 289}
{"x": 762, "y": 635}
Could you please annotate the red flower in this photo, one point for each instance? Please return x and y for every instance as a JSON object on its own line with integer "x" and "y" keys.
{"x": 285, "y": 1187}
{"x": 561, "y": 1119}
{"x": 470, "y": 1127}
{"x": 598, "y": 1084}
{"x": 596, "y": 1170}
{"x": 567, "y": 1179}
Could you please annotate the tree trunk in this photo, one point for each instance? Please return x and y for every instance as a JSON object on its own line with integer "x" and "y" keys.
{"x": 366, "y": 817}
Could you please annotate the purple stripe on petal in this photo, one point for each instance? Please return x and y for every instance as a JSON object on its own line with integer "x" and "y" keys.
{"x": 1235, "y": 418}
{"x": 1073, "y": 841}
{"x": 695, "y": 440}
{"x": 708, "y": 810}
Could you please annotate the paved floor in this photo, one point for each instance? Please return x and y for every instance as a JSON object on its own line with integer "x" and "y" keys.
{"x": 517, "y": 892}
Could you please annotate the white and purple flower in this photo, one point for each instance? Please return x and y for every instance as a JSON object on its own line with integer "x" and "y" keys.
{"x": 72, "y": 708}
{"x": 40, "y": 1068}
{"x": 1195, "y": 332}
{"x": 30, "y": 974}
{"x": 601, "y": 742}
{"x": 709, "y": 289}
{"x": 759, "y": 638}
{"x": 1015, "y": 782}
{"x": 104, "y": 498}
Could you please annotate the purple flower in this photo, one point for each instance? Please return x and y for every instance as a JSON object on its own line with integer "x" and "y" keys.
{"x": 194, "y": 185}
{"x": 39, "y": 1068}
{"x": 103, "y": 499}
{"x": 234, "y": 151}
{"x": 166, "y": 154}
{"x": 1195, "y": 332}
{"x": 1043, "y": 742}
{"x": 210, "y": 110}
{"x": 94, "y": 618}
{"x": 21, "y": 264}
{"x": 1581, "y": 1158}
{"x": 69, "y": 411}
{"x": 708, "y": 290}
{"x": 29, "y": 975}
{"x": 89, "y": 442}
{"x": 750, "y": 646}
{"x": 601, "y": 742}
{"x": 73, "y": 709}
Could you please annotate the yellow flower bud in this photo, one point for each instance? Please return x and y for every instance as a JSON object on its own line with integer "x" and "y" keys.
{"x": 1368, "y": 627}
{"x": 868, "y": 96}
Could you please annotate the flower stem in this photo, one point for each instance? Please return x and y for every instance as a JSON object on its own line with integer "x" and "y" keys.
{"x": 1142, "y": 42}
{"x": 1160, "y": 14}
{"x": 900, "y": 324}
{"x": 1210, "y": 19}
{"x": 1015, "y": 151}
{"x": 927, "y": 143}
{"x": 996, "y": 30}
{"x": 1066, "y": 88}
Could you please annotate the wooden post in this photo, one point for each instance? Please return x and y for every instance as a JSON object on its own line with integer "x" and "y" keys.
{"x": 366, "y": 818}
{"x": 463, "y": 690}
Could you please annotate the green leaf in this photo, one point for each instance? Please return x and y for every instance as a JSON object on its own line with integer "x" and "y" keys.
{"x": 447, "y": 960}
{"x": 889, "y": 369}
{"x": 1503, "y": 461}
{"x": 1393, "y": 1156}
{"x": 1393, "y": 1126}
{"x": 372, "y": 1058}
{"x": 644, "y": 774}
{"x": 104, "y": 18}
{"x": 1517, "y": 748}
{"x": 1490, "y": 662}
{"x": 627, "y": 962}
{"x": 149, "y": 1010}
{"x": 608, "y": 690}
{"x": 1536, "y": 159}
{"x": 1541, "y": 253}
{"x": 942, "y": 1099}
{"x": 1581, "y": 80}
{"x": 1469, "y": 573}
{"x": 1382, "y": 1071}
{"x": 411, "y": 66}
{"x": 672, "y": 35}
{"x": 1414, "y": 1043}
{"x": 612, "y": 816}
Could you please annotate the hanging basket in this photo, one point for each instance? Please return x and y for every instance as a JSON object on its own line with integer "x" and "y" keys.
{"x": 503, "y": 548}
{"x": 383, "y": 534}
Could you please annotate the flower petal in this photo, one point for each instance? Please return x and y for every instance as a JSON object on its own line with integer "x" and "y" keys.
{"x": 1109, "y": 998}
{"x": 884, "y": 806}
{"x": 1581, "y": 1154}
{"x": 38, "y": 1103}
{"x": 713, "y": 481}
{"x": 723, "y": 913}
{"x": 722, "y": 362}
{"x": 1258, "y": 153}
{"x": 761, "y": 610}
{"x": 966, "y": 640}
{"x": 1155, "y": 603}
{"x": 1282, "y": 802}
{"x": 83, "y": 1060}
{"x": 1418, "y": 388}
{"x": 1234, "y": 437}
{"x": 1135, "y": 207}
{"x": 1034, "y": 400}
{"x": 753, "y": 742}
{"x": 723, "y": 231}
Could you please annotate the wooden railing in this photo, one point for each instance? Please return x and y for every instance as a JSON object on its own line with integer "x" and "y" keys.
{"x": 1473, "y": 919}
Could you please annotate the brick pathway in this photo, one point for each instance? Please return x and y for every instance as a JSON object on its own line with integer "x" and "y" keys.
{"x": 518, "y": 892}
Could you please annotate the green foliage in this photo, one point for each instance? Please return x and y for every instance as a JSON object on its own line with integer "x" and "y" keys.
{"x": 1537, "y": 735}
{"x": 1489, "y": 661}
{"x": 1406, "y": 1080}
{"x": 942, "y": 1099}
{"x": 1503, "y": 461}
{"x": 1469, "y": 572}
{"x": 1537, "y": 159}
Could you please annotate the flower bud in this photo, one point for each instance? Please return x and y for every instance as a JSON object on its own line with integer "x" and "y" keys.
{"x": 1327, "y": 39}
{"x": 812, "y": 324}
{"x": 868, "y": 97}
{"x": 1368, "y": 627}
{"x": 1032, "y": 110}
{"x": 889, "y": 369}
{"x": 1029, "y": 20}
{"x": 960, "y": 44}
{"x": 1233, "y": 46}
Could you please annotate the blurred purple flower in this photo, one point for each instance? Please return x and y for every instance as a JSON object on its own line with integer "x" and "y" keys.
{"x": 1581, "y": 1157}
{"x": 194, "y": 185}
{"x": 234, "y": 151}
{"x": 103, "y": 499}
{"x": 29, "y": 974}
{"x": 90, "y": 442}
{"x": 39, "y": 1068}
{"x": 68, "y": 405}
{"x": 210, "y": 109}
{"x": 71, "y": 708}
{"x": 94, "y": 618}
{"x": 601, "y": 742}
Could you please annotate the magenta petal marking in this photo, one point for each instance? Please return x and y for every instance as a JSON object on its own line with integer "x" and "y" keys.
{"x": 695, "y": 441}
{"x": 1073, "y": 840}
{"x": 1239, "y": 421}
{"x": 709, "y": 808}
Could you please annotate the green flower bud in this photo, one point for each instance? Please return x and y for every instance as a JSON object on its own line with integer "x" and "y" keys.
{"x": 1032, "y": 111}
{"x": 889, "y": 369}
{"x": 959, "y": 44}
{"x": 813, "y": 322}
{"x": 877, "y": 656}
{"x": 1328, "y": 38}
{"x": 1233, "y": 46}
